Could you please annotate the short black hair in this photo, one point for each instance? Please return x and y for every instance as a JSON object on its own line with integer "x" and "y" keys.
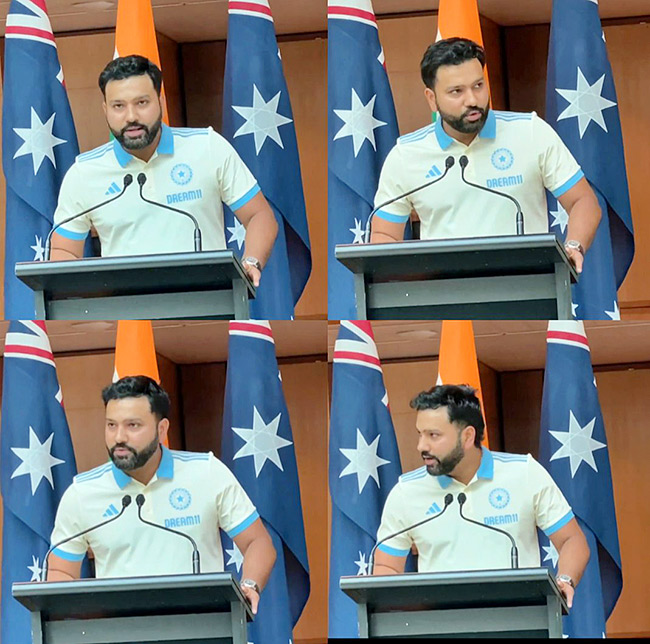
{"x": 451, "y": 51}
{"x": 463, "y": 406}
{"x": 127, "y": 66}
{"x": 136, "y": 387}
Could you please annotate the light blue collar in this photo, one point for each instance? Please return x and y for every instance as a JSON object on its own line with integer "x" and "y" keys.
{"x": 488, "y": 131}
{"x": 165, "y": 470}
{"x": 165, "y": 146}
{"x": 485, "y": 470}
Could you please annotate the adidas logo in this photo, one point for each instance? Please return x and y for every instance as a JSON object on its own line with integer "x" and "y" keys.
{"x": 434, "y": 509}
{"x": 111, "y": 511}
{"x": 433, "y": 172}
{"x": 113, "y": 189}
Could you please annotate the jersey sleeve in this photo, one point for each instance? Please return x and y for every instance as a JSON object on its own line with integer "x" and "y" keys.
{"x": 560, "y": 171}
{"x": 69, "y": 204}
{"x": 391, "y": 187}
{"x": 235, "y": 510}
{"x": 67, "y": 523}
{"x": 552, "y": 510}
{"x": 392, "y": 521}
{"x": 236, "y": 182}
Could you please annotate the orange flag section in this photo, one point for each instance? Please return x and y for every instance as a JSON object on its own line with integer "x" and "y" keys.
{"x": 457, "y": 361}
{"x": 135, "y": 352}
{"x": 135, "y": 33}
{"x": 460, "y": 19}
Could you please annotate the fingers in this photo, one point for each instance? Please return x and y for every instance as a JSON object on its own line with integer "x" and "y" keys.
{"x": 252, "y": 597}
{"x": 578, "y": 260}
{"x": 253, "y": 273}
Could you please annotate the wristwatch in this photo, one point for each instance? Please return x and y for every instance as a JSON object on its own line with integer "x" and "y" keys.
{"x": 254, "y": 262}
{"x": 566, "y": 579}
{"x": 250, "y": 583}
{"x": 574, "y": 244}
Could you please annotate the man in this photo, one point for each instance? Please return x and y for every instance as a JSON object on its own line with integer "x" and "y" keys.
{"x": 516, "y": 153}
{"x": 510, "y": 491}
{"x": 190, "y": 169}
{"x": 191, "y": 492}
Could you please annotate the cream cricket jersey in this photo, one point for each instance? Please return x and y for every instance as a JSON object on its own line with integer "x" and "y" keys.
{"x": 509, "y": 491}
{"x": 516, "y": 153}
{"x": 191, "y": 492}
{"x": 192, "y": 169}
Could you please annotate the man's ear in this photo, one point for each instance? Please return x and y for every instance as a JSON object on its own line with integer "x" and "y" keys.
{"x": 430, "y": 95}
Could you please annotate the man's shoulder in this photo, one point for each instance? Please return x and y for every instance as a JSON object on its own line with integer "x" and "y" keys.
{"x": 191, "y": 457}
{"x": 412, "y": 138}
{"x": 506, "y": 462}
{"x": 93, "y": 476}
{"x": 514, "y": 117}
{"x": 95, "y": 155}
{"x": 192, "y": 132}
{"x": 410, "y": 478}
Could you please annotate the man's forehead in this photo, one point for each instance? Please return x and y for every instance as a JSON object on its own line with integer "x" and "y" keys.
{"x": 469, "y": 71}
{"x": 130, "y": 86}
{"x": 138, "y": 404}
{"x": 432, "y": 418}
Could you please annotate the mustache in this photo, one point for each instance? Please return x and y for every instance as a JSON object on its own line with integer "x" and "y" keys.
{"x": 428, "y": 455}
{"x": 134, "y": 124}
{"x": 476, "y": 108}
{"x": 123, "y": 446}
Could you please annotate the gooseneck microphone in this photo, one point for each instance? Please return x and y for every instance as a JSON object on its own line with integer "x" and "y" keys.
{"x": 514, "y": 553}
{"x": 371, "y": 564}
{"x": 198, "y": 245}
{"x": 464, "y": 162}
{"x": 196, "y": 557}
{"x": 449, "y": 163}
{"x": 126, "y": 501}
{"x": 128, "y": 180}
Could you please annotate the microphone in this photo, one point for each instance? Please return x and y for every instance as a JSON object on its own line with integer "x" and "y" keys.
{"x": 514, "y": 553}
{"x": 128, "y": 180}
{"x": 464, "y": 162}
{"x": 371, "y": 565}
{"x": 196, "y": 557}
{"x": 126, "y": 501}
{"x": 142, "y": 179}
{"x": 449, "y": 163}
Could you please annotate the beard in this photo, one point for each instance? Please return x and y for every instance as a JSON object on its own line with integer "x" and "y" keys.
{"x": 135, "y": 459}
{"x": 460, "y": 124}
{"x": 142, "y": 141}
{"x": 446, "y": 465}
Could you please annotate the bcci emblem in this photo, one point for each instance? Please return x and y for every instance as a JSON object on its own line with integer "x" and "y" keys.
{"x": 502, "y": 159}
{"x": 180, "y": 498}
{"x": 182, "y": 174}
{"x": 499, "y": 498}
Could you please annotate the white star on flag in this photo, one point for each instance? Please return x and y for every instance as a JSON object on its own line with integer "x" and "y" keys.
{"x": 38, "y": 141}
{"x": 236, "y": 557}
{"x": 358, "y": 232}
{"x": 39, "y": 249}
{"x": 237, "y": 233}
{"x": 560, "y": 217}
{"x": 577, "y": 444}
{"x": 615, "y": 314}
{"x": 37, "y": 460}
{"x": 360, "y": 122}
{"x": 364, "y": 461}
{"x": 574, "y": 308}
{"x": 262, "y": 442}
{"x": 262, "y": 120}
{"x": 35, "y": 569}
{"x": 586, "y": 103}
{"x": 362, "y": 564}
{"x": 552, "y": 554}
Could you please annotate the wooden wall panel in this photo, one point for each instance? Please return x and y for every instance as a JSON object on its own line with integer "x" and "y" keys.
{"x": 623, "y": 399}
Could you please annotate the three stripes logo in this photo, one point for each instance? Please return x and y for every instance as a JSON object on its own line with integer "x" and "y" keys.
{"x": 113, "y": 189}
{"x": 433, "y": 172}
{"x": 111, "y": 511}
{"x": 434, "y": 509}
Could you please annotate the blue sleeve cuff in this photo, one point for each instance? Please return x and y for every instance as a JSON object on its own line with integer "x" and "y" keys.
{"x": 389, "y": 216}
{"x": 559, "y": 524}
{"x": 68, "y": 234}
{"x": 68, "y": 556}
{"x": 569, "y": 184}
{"x": 238, "y": 529}
{"x": 245, "y": 199}
{"x": 392, "y": 551}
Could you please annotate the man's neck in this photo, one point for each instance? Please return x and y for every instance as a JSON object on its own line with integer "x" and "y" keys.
{"x": 145, "y": 154}
{"x": 145, "y": 473}
{"x": 463, "y": 138}
{"x": 466, "y": 470}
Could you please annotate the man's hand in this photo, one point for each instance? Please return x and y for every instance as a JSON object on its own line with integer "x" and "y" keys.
{"x": 254, "y": 273}
{"x": 576, "y": 258}
{"x": 567, "y": 590}
{"x": 252, "y": 597}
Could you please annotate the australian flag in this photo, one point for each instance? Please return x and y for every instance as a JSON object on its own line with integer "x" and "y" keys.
{"x": 258, "y": 121}
{"x": 37, "y": 465}
{"x": 39, "y": 142}
{"x": 573, "y": 448}
{"x": 257, "y": 445}
{"x": 362, "y": 129}
{"x": 581, "y": 105}
{"x": 364, "y": 464}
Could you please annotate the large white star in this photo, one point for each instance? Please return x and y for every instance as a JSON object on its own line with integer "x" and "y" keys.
{"x": 262, "y": 120}
{"x": 577, "y": 444}
{"x": 574, "y": 309}
{"x": 560, "y": 217}
{"x": 39, "y": 141}
{"x": 359, "y": 122}
{"x": 39, "y": 249}
{"x": 362, "y": 564}
{"x": 262, "y": 442}
{"x": 37, "y": 460}
{"x": 35, "y": 569}
{"x": 237, "y": 233}
{"x": 236, "y": 557}
{"x": 364, "y": 461}
{"x": 357, "y": 231}
{"x": 552, "y": 554}
{"x": 586, "y": 103}
{"x": 615, "y": 314}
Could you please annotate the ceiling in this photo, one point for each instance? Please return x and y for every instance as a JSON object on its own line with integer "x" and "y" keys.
{"x": 198, "y": 20}
{"x": 510, "y": 345}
